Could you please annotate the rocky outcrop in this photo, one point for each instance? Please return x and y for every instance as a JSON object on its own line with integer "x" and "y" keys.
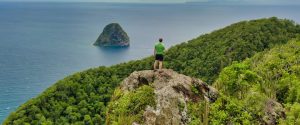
{"x": 113, "y": 35}
{"x": 273, "y": 111}
{"x": 172, "y": 92}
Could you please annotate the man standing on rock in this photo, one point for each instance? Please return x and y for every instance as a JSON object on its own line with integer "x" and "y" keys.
{"x": 159, "y": 54}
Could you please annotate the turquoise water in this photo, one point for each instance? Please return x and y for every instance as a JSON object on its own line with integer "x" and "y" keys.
{"x": 41, "y": 43}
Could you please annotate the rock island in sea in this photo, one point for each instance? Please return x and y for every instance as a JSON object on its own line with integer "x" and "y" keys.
{"x": 113, "y": 35}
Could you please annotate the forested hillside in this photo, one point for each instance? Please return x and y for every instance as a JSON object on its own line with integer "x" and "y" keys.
{"x": 207, "y": 55}
{"x": 248, "y": 86}
{"x": 82, "y": 97}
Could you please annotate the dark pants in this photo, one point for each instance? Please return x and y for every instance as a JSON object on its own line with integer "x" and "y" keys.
{"x": 159, "y": 57}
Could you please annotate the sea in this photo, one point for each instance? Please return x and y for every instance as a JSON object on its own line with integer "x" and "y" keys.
{"x": 43, "y": 42}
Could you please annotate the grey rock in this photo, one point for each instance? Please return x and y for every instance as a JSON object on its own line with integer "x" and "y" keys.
{"x": 273, "y": 111}
{"x": 171, "y": 90}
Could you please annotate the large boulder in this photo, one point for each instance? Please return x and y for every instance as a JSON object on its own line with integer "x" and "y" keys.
{"x": 171, "y": 93}
{"x": 113, "y": 35}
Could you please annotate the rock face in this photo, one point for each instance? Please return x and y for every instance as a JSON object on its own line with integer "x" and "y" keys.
{"x": 273, "y": 111}
{"x": 113, "y": 35}
{"x": 172, "y": 93}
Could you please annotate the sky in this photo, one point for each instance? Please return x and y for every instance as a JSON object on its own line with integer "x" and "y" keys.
{"x": 293, "y": 2}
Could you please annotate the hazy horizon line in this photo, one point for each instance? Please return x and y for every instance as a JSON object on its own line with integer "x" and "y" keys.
{"x": 188, "y": 2}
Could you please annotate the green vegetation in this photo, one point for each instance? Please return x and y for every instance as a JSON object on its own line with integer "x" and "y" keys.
{"x": 132, "y": 103}
{"x": 248, "y": 85}
{"x": 206, "y": 56}
{"x": 293, "y": 115}
{"x": 83, "y": 98}
{"x": 198, "y": 111}
{"x": 77, "y": 97}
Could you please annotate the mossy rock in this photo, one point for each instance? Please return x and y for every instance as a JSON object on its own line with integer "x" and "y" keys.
{"x": 128, "y": 107}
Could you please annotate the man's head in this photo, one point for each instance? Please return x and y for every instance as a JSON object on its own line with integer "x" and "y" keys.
{"x": 160, "y": 40}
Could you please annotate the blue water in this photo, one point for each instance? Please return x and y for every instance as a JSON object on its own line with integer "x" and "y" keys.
{"x": 41, "y": 43}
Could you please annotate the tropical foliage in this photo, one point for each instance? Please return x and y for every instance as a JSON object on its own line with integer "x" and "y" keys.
{"x": 126, "y": 108}
{"x": 273, "y": 74}
{"x": 206, "y": 56}
{"x": 83, "y": 97}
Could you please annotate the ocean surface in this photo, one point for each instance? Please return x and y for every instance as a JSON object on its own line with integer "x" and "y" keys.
{"x": 41, "y": 43}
